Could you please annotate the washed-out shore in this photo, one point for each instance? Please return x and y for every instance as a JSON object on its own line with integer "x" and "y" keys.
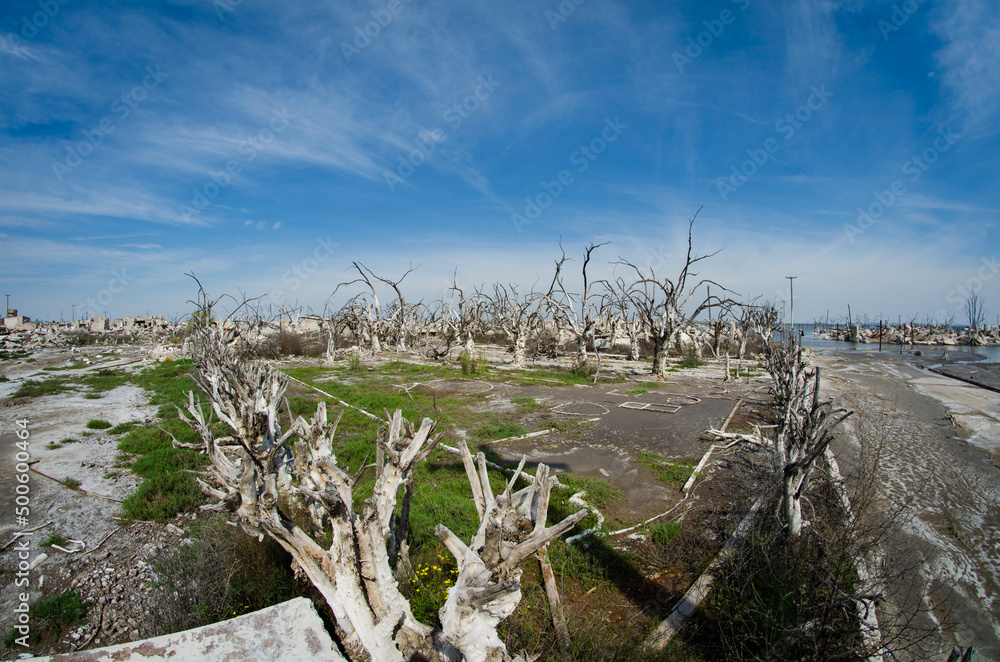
{"x": 941, "y": 456}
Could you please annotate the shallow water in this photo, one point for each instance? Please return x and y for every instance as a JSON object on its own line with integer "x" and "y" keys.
{"x": 990, "y": 354}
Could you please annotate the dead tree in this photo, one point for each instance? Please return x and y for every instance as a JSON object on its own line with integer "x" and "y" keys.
{"x": 805, "y": 424}
{"x": 564, "y": 306}
{"x": 288, "y": 484}
{"x": 620, "y": 310}
{"x": 373, "y": 311}
{"x": 362, "y": 316}
{"x": 518, "y": 315}
{"x": 662, "y": 302}
{"x": 468, "y": 315}
{"x": 975, "y": 311}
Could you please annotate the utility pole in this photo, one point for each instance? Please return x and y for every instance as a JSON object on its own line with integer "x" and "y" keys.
{"x": 8, "y": 305}
{"x": 74, "y": 313}
{"x": 791, "y": 305}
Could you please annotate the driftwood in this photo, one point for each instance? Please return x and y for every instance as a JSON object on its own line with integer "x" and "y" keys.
{"x": 288, "y": 485}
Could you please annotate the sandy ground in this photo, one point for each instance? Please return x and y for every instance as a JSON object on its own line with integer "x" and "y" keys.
{"x": 72, "y": 513}
{"x": 951, "y": 482}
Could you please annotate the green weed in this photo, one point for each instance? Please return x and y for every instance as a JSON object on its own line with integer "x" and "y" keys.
{"x": 673, "y": 473}
{"x": 32, "y": 389}
{"x": 499, "y": 431}
{"x": 97, "y": 424}
{"x": 122, "y": 428}
{"x": 54, "y": 539}
{"x": 526, "y": 404}
{"x": 60, "y": 610}
{"x": 662, "y": 533}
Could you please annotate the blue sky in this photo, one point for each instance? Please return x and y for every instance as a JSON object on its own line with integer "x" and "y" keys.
{"x": 264, "y": 146}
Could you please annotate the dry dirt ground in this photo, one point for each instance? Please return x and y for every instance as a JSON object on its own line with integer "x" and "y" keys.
{"x": 115, "y": 569}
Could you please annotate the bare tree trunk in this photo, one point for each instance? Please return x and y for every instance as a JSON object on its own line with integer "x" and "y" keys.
{"x": 659, "y": 357}
{"x": 289, "y": 486}
{"x": 520, "y": 350}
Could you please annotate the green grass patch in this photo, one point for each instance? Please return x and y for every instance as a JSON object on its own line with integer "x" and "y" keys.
{"x": 599, "y": 493}
{"x": 60, "y": 610}
{"x": 663, "y": 533}
{"x": 69, "y": 440}
{"x": 71, "y": 483}
{"x": 122, "y": 428}
{"x": 92, "y": 396}
{"x": 97, "y": 424}
{"x": 104, "y": 379}
{"x": 161, "y": 498}
{"x": 636, "y": 391}
{"x": 54, "y": 539}
{"x": 501, "y": 430}
{"x": 167, "y": 487}
{"x": 53, "y": 445}
{"x": 526, "y": 405}
{"x": 33, "y": 388}
{"x": 673, "y": 473}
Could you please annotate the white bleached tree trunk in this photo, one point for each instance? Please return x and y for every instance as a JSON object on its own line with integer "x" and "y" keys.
{"x": 805, "y": 426}
{"x": 289, "y": 485}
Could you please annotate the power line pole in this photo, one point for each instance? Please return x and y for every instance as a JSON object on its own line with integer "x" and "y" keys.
{"x": 8, "y": 305}
{"x": 791, "y": 304}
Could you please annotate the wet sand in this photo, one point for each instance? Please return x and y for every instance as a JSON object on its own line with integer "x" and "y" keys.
{"x": 941, "y": 436}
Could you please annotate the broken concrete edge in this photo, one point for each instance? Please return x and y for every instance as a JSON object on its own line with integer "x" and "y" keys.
{"x": 290, "y": 631}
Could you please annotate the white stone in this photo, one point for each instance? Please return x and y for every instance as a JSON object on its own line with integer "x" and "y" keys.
{"x": 289, "y": 631}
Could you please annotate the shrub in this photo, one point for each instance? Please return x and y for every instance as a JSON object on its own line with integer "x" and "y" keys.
{"x": 222, "y": 574}
{"x": 662, "y": 533}
{"x": 59, "y": 610}
{"x": 354, "y": 361}
{"x": 690, "y": 359}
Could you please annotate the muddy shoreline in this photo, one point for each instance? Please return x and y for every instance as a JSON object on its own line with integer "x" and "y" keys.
{"x": 940, "y": 437}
